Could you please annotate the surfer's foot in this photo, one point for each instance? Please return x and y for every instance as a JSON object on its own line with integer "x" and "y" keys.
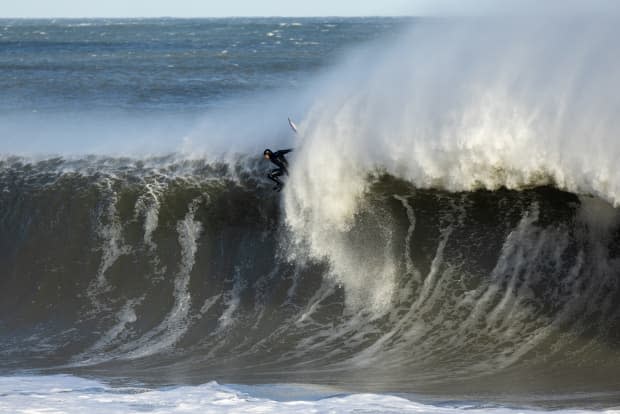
{"x": 277, "y": 188}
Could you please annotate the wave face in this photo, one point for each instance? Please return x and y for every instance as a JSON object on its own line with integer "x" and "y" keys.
{"x": 185, "y": 271}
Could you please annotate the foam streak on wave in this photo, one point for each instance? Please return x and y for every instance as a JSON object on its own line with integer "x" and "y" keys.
{"x": 176, "y": 323}
{"x": 111, "y": 233}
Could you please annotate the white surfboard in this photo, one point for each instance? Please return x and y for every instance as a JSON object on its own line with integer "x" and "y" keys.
{"x": 292, "y": 124}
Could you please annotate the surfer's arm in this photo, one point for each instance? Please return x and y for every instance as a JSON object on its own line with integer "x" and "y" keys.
{"x": 286, "y": 151}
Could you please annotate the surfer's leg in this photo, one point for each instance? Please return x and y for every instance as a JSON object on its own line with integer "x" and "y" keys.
{"x": 274, "y": 176}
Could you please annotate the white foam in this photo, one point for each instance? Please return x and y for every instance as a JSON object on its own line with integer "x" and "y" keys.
{"x": 68, "y": 394}
{"x": 460, "y": 105}
{"x": 148, "y": 206}
{"x": 177, "y": 321}
{"x": 110, "y": 231}
{"x": 208, "y": 304}
{"x": 232, "y": 300}
{"x": 409, "y": 265}
{"x": 100, "y": 350}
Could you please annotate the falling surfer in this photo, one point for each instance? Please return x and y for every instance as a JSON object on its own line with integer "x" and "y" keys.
{"x": 280, "y": 161}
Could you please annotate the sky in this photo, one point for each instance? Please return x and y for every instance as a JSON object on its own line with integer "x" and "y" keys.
{"x": 202, "y": 8}
{"x": 296, "y": 8}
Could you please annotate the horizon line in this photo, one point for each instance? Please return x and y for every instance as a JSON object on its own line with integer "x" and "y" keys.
{"x": 389, "y": 16}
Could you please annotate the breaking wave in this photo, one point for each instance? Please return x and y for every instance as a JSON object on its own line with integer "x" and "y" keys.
{"x": 108, "y": 263}
{"x": 448, "y": 226}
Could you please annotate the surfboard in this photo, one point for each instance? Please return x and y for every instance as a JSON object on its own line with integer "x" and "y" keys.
{"x": 293, "y": 126}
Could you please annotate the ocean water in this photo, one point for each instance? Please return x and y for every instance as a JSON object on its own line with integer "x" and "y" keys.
{"x": 448, "y": 238}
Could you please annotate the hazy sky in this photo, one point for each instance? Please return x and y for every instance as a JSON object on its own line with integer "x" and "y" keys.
{"x": 202, "y": 8}
{"x": 219, "y": 8}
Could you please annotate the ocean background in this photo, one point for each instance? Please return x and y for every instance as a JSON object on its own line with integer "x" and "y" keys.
{"x": 448, "y": 238}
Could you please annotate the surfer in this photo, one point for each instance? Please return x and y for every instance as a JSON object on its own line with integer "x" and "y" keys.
{"x": 280, "y": 161}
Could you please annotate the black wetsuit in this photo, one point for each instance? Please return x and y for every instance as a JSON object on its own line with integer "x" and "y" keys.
{"x": 278, "y": 159}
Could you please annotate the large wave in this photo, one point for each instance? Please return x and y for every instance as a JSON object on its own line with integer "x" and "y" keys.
{"x": 448, "y": 223}
{"x": 108, "y": 263}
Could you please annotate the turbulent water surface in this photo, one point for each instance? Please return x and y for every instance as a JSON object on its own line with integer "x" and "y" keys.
{"x": 446, "y": 235}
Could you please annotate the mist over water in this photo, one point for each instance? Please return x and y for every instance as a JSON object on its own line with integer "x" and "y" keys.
{"x": 448, "y": 226}
{"x": 149, "y": 86}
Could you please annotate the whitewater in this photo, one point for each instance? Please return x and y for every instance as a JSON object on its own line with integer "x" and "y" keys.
{"x": 448, "y": 238}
